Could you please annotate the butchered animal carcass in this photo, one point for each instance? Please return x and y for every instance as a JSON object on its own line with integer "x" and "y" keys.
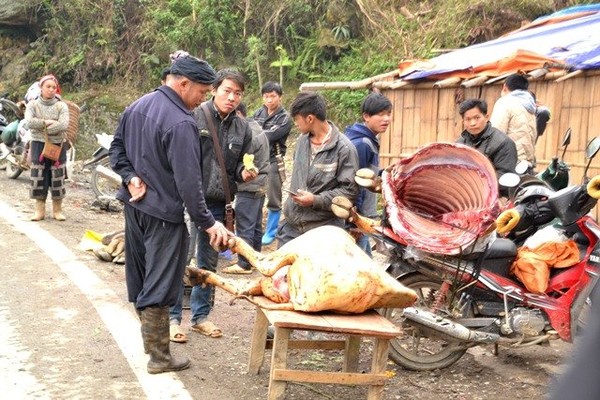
{"x": 442, "y": 199}
{"x": 322, "y": 269}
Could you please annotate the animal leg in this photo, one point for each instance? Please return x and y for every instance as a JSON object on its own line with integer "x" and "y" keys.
{"x": 265, "y": 264}
{"x": 343, "y": 208}
{"x": 196, "y": 276}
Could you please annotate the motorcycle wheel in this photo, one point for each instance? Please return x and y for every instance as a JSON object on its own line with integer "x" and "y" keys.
{"x": 415, "y": 349}
{"x": 12, "y": 171}
{"x": 102, "y": 186}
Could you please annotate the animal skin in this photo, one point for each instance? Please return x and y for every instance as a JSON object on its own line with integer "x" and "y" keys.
{"x": 322, "y": 269}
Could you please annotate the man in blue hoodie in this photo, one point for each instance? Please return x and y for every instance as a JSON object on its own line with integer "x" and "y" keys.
{"x": 376, "y": 112}
{"x": 514, "y": 114}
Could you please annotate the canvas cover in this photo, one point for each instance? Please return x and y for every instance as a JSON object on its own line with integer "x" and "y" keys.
{"x": 568, "y": 38}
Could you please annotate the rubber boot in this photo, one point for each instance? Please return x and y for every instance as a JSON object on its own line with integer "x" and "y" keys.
{"x": 40, "y": 210}
{"x": 155, "y": 333}
{"x": 139, "y": 314}
{"x": 57, "y": 210}
{"x": 271, "y": 228}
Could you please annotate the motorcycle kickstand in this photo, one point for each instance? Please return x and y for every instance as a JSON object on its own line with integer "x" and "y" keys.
{"x": 495, "y": 349}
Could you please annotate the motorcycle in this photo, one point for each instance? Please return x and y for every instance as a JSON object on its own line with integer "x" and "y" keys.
{"x": 105, "y": 182}
{"x": 8, "y": 131}
{"x": 468, "y": 300}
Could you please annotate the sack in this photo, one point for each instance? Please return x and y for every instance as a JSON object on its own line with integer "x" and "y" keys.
{"x": 51, "y": 151}
{"x": 229, "y": 218}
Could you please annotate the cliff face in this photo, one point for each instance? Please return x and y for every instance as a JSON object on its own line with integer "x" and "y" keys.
{"x": 18, "y": 13}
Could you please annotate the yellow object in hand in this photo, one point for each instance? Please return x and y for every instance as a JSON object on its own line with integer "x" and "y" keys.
{"x": 248, "y": 161}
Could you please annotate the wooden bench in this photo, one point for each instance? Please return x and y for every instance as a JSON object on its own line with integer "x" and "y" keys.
{"x": 353, "y": 327}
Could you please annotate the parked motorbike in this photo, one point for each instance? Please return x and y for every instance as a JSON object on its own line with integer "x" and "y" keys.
{"x": 105, "y": 182}
{"x": 467, "y": 300}
{"x": 8, "y": 130}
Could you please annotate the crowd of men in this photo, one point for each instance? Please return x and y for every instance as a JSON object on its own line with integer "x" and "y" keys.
{"x": 179, "y": 154}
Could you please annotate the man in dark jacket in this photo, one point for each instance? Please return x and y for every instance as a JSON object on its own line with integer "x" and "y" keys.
{"x": 481, "y": 135}
{"x": 276, "y": 124}
{"x": 235, "y": 137}
{"x": 376, "y": 112}
{"x": 157, "y": 154}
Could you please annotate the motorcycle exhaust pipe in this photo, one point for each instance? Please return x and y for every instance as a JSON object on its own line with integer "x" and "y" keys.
{"x": 447, "y": 327}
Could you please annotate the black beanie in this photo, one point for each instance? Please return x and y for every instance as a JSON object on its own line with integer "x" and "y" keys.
{"x": 194, "y": 69}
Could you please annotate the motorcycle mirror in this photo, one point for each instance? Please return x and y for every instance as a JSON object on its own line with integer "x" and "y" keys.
{"x": 522, "y": 167}
{"x": 509, "y": 180}
{"x": 590, "y": 152}
{"x": 592, "y": 148}
{"x": 565, "y": 142}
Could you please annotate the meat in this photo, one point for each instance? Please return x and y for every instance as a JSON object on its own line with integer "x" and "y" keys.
{"x": 325, "y": 271}
{"x": 441, "y": 198}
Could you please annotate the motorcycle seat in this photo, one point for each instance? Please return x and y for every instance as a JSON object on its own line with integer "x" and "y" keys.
{"x": 499, "y": 256}
{"x": 501, "y": 248}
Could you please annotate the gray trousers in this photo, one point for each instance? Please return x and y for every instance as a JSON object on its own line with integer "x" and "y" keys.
{"x": 274, "y": 188}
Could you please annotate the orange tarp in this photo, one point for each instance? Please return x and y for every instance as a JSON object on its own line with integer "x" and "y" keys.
{"x": 521, "y": 60}
{"x": 532, "y": 266}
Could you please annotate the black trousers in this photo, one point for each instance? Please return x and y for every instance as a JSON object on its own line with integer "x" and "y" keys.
{"x": 155, "y": 258}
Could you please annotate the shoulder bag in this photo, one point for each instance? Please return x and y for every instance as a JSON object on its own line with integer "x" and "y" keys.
{"x": 50, "y": 151}
{"x": 229, "y": 212}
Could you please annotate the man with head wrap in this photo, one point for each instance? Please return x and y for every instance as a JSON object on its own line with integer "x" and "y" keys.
{"x": 235, "y": 137}
{"x": 156, "y": 152}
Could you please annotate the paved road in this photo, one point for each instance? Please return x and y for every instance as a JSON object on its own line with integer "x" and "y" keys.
{"x": 63, "y": 332}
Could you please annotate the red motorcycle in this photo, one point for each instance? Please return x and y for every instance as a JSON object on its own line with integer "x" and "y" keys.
{"x": 470, "y": 298}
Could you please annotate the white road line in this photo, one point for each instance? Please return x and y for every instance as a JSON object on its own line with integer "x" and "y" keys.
{"x": 118, "y": 316}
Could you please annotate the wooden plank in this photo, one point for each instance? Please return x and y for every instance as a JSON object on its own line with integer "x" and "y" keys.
{"x": 312, "y": 344}
{"x": 339, "y": 378}
{"x": 257, "y": 342}
{"x": 368, "y": 324}
{"x": 278, "y": 361}
{"x": 351, "y": 353}
{"x": 380, "y": 355}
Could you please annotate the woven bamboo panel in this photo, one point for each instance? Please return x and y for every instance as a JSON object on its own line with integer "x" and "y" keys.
{"x": 574, "y": 103}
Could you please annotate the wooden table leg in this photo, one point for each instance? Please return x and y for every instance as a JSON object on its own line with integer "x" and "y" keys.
{"x": 380, "y": 356}
{"x": 258, "y": 342}
{"x": 351, "y": 353}
{"x": 279, "y": 361}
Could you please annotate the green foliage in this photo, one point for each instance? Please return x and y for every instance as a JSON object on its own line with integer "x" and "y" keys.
{"x": 127, "y": 42}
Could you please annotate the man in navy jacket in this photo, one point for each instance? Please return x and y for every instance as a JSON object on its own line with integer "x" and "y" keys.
{"x": 156, "y": 152}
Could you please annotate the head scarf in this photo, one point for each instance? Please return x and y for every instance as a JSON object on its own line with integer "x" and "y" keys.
{"x": 52, "y": 78}
{"x": 194, "y": 69}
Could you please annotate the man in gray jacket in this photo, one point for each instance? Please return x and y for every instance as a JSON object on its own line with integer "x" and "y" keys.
{"x": 325, "y": 162}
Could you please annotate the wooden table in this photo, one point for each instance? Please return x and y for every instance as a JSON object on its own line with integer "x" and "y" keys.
{"x": 353, "y": 327}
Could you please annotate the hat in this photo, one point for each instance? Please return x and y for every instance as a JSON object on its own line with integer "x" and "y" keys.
{"x": 51, "y": 78}
{"x": 194, "y": 69}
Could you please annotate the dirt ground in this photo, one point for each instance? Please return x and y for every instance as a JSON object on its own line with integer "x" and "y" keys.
{"x": 220, "y": 364}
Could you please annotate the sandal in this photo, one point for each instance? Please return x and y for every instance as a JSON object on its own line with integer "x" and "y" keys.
{"x": 176, "y": 335}
{"x": 207, "y": 328}
{"x": 236, "y": 270}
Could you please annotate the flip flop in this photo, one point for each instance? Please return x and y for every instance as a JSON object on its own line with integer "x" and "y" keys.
{"x": 207, "y": 328}
{"x": 176, "y": 335}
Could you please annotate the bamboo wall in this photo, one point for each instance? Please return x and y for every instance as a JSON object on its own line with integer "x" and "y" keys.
{"x": 423, "y": 115}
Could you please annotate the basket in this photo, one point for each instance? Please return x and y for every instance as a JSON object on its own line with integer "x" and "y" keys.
{"x": 73, "y": 128}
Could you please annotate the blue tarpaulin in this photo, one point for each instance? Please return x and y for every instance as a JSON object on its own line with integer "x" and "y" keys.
{"x": 573, "y": 42}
